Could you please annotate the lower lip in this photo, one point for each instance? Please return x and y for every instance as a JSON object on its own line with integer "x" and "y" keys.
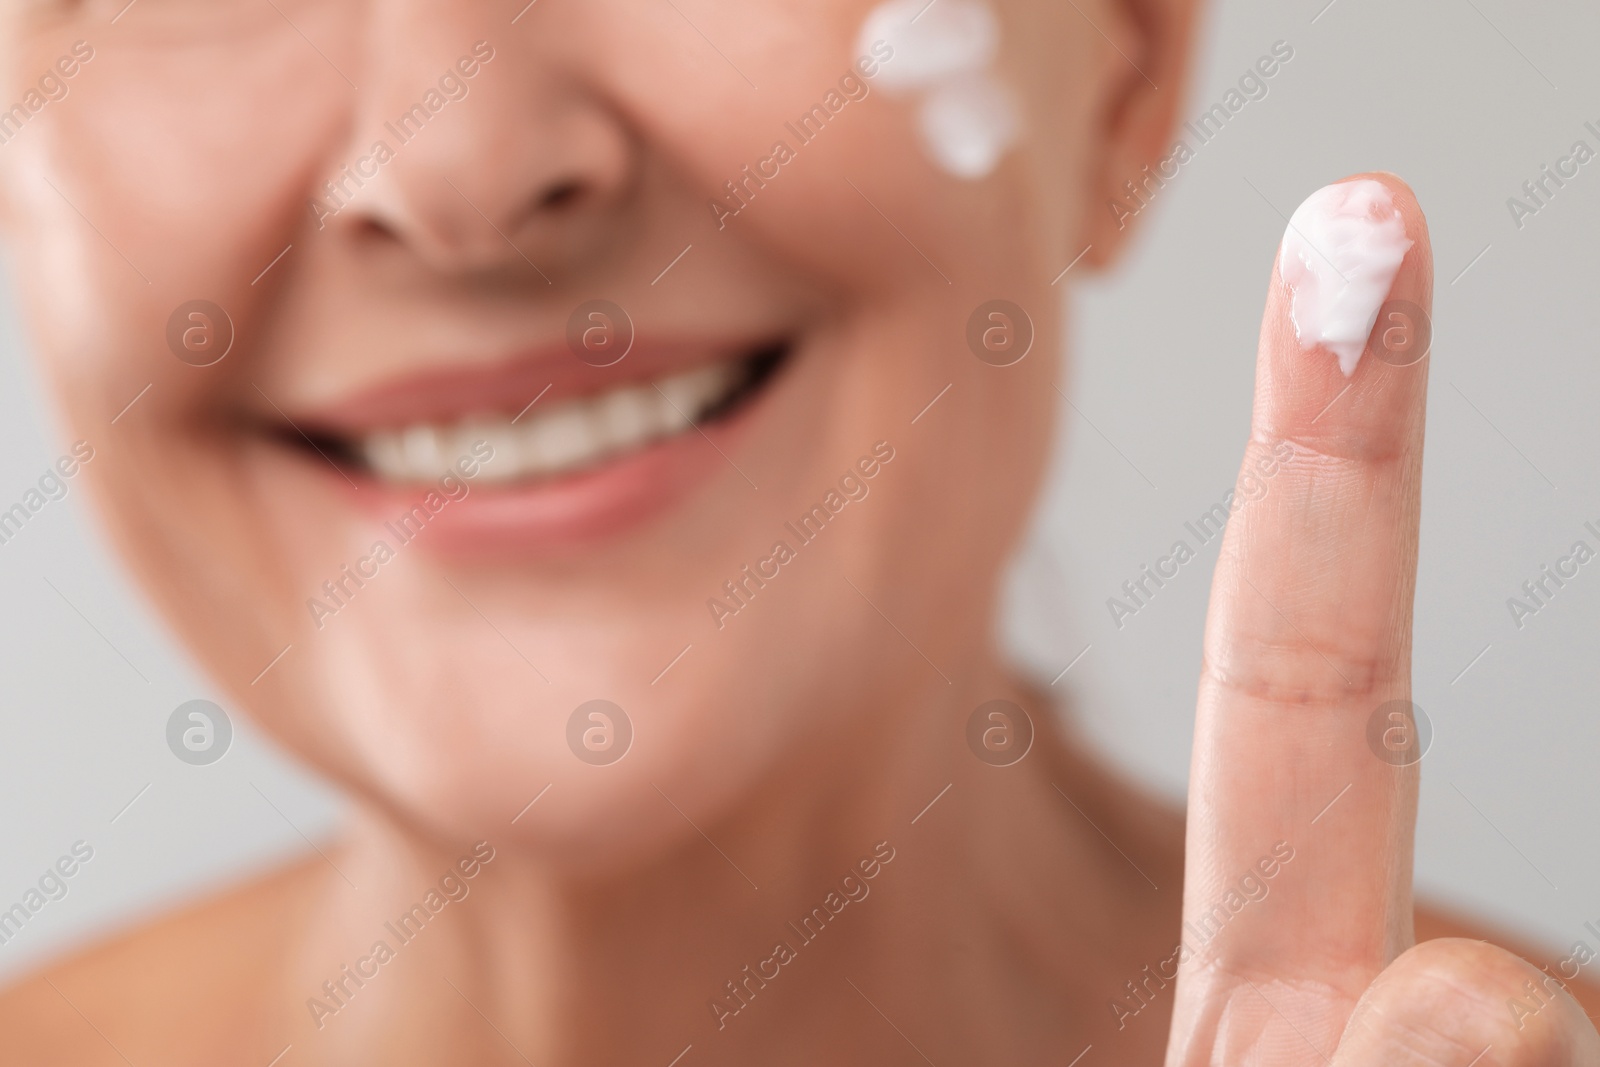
{"x": 570, "y": 511}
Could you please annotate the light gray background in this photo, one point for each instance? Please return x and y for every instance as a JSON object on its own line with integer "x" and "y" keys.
{"x": 1465, "y": 98}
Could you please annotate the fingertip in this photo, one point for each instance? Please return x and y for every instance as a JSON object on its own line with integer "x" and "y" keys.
{"x": 1350, "y": 311}
{"x": 1419, "y": 257}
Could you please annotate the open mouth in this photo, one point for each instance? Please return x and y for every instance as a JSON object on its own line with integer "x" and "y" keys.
{"x": 549, "y": 439}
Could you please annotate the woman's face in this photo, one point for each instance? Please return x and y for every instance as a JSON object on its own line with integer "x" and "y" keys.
{"x": 392, "y": 223}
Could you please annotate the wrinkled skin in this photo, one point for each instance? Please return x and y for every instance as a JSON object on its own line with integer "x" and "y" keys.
{"x": 786, "y": 743}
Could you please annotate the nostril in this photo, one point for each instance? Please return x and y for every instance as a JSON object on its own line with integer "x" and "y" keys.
{"x": 368, "y": 228}
{"x": 561, "y": 196}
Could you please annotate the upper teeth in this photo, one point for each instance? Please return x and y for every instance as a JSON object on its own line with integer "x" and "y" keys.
{"x": 546, "y": 440}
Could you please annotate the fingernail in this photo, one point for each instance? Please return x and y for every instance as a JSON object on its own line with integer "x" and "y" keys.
{"x": 1340, "y": 255}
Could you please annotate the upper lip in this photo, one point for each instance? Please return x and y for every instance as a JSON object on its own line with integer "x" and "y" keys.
{"x": 508, "y": 386}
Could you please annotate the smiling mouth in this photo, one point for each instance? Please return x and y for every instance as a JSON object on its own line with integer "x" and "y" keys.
{"x": 549, "y": 439}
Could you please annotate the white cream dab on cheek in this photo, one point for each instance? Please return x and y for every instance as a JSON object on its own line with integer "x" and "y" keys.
{"x": 931, "y": 43}
{"x": 968, "y": 124}
{"x": 1340, "y": 256}
{"x": 968, "y": 117}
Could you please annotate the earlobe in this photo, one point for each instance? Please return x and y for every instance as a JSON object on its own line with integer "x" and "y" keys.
{"x": 1140, "y": 152}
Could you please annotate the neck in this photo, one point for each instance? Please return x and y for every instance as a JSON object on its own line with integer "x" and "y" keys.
{"x": 830, "y": 915}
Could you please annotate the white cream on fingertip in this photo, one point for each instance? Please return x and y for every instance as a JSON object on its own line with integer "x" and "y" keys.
{"x": 1340, "y": 256}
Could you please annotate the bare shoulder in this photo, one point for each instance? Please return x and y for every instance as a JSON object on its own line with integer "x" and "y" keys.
{"x": 179, "y": 990}
{"x": 1435, "y": 923}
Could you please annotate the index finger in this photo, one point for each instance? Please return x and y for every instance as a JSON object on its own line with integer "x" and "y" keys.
{"x": 1297, "y": 886}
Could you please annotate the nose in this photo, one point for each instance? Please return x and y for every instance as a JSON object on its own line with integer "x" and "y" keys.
{"x": 477, "y": 153}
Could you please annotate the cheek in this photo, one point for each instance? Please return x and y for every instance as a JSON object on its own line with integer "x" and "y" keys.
{"x": 171, "y": 173}
{"x": 945, "y": 63}
{"x": 123, "y": 218}
{"x": 848, "y": 189}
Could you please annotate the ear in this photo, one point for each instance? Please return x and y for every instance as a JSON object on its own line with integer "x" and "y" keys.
{"x": 1138, "y": 115}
